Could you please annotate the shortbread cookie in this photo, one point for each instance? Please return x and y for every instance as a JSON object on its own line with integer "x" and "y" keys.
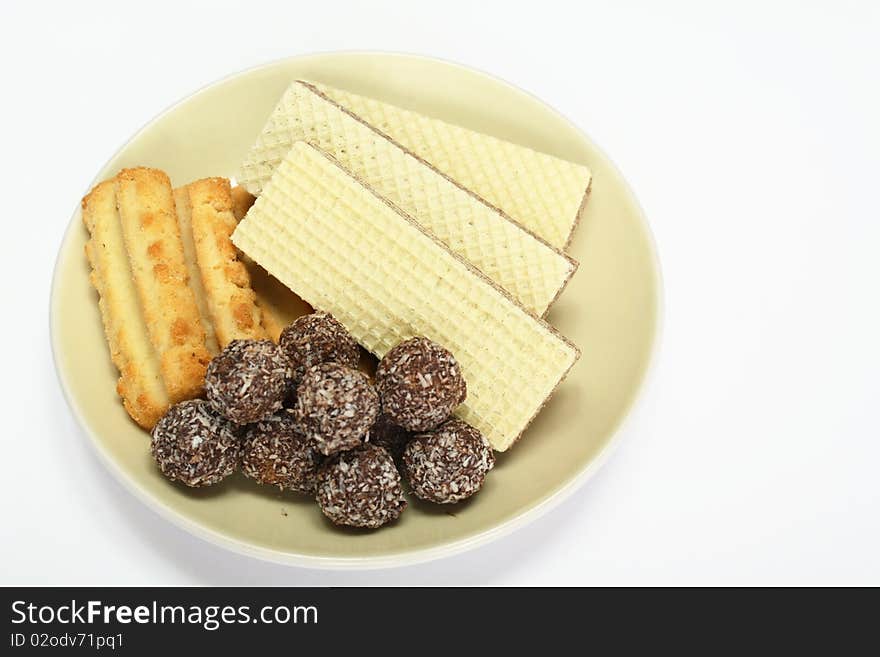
{"x": 225, "y": 280}
{"x": 544, "y": 193}
{"x": 140, "y": 378}
{"x": 184, "y": 219}
{"x": 530, "y": 269}
{"x": 155, "y": 251}
{"x": 242, "y": 200}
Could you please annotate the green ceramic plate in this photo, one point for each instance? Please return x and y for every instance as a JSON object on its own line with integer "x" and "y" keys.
{"x": 610, "y": 309}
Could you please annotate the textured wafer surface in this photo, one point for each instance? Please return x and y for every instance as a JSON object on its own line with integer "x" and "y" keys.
{"x": 542, "y": 192}
{"x": 140, "y": 378}
{"x": 347, "y": 251}
{"x": 533, "y": 271}
{"x": 270, "y": 293}
{"x": 230, "y": 299}
{"x": 155, "y": 251}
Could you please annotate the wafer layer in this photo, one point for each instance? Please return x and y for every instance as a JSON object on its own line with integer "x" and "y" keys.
{"x": 542, "y": 192}
{"x": 270, "y": 293}
{"x": 529, "y": 268}
{"x": 347, "y": 251}
{"x": 155, "y": 251}
{"x": 230, "y": 299}
{"x": 140, "y": 378}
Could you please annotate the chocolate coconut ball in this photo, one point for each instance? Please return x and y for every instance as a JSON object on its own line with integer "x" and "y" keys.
{"x": 335, "y": 407}
{"x": 194, "y": 445}
{"x": 248, "y": 380}
{"x": 419, "y": 383}
{"x": 274, "y": 452}
{"x": 360, "y": 488}
{"x": 393, "y": 438}
{"x": 317, "y": 338}
{"x": 448, "y": 464}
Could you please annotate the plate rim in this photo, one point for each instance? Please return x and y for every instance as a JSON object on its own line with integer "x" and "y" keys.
{"x": 410, "y": 557}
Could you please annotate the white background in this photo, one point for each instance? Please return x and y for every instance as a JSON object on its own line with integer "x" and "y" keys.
{"x": 749, "y": 133}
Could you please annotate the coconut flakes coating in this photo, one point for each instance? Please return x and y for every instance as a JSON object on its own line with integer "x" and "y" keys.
{"x": 419, "y": 383}
{"x": 276, "y": 453}
{"x": 335, "y": 407}
{"x": 388, "y": 435}
{"x": 192, "y": 444}
{"x": 448, "y": 464}
{"x": 318, "y": 338}
{"x": 248, "y": 381}
{"x": 360, "y": 488}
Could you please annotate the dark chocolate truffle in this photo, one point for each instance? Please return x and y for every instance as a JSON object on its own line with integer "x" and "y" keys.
{"x": 274, "y": 452}
{"x": 335, "y": 407}
{"x": 419, "y": 383}
{"x": 388, "y": 435}
{"x": 448, "y": 464}
{"x": 248, "y": 380}
{"x": 317, "y": 338}
{"x": 193, "y": 445}
{"x": 360, "y": 488}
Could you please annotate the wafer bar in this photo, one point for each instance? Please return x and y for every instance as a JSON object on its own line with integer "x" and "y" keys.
{"x": 140, "y": 378}
{"x": 278, "y": 305}
{"x": 533, "y": 271}
{"x": 226, "y": 283}
{"x": 346, "y": 250}
{"x": 155, "y": 251}
{"x": 544, "y": 193}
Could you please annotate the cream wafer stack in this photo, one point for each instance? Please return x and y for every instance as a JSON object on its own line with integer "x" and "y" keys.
{"x": 171, "y": 288}
{"x": 544, "y": 193}
{"x": 527, "y": 266}
{"x": 278, "y": 305}
{"x": 347, "y": 250}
